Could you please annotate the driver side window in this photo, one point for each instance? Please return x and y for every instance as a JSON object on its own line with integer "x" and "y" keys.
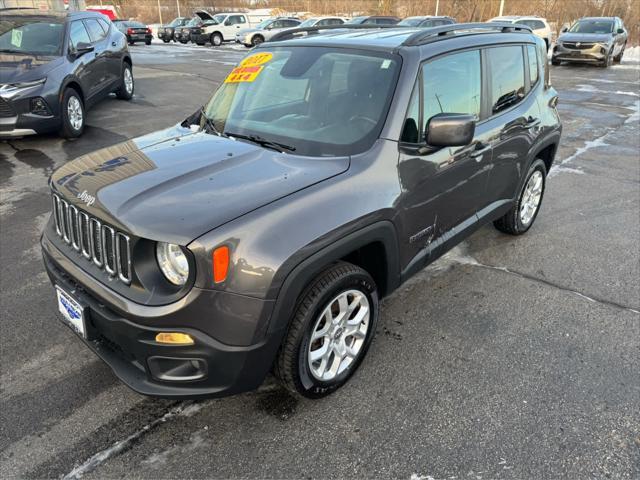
{"x": 78, "y": 34}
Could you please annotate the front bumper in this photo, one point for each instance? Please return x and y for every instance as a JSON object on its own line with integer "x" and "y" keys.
{"x": 199, "y": 37}
{"x": 16, "y": 119}
{"x": 596, "y": 54}
{"x": 128, "y": 345}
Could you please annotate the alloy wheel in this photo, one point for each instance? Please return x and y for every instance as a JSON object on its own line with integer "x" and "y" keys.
{"x": 74, "y": 112}
{"x": 531, "y": 197}
{"x": 338, "y": 335}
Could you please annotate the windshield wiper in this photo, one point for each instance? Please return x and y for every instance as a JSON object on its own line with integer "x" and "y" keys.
{"x": 209, "y": 125}
{"x": 263, "y": 142}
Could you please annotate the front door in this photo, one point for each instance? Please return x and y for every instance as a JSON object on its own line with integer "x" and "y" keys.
{"x": 442, "y": 189}
{"x": 88, "y": 68}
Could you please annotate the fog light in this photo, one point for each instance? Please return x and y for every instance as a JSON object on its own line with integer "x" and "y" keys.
{"x": 40, "y": 107}
{"x": 174, "y": 338}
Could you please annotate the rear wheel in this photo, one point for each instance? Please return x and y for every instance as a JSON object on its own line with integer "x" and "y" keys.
{"x": 216, "y": 39}
{"x": 332, "y": 328}
{"x": 522, "y": 215}
{"x": 127, "y": 85}
{"x": 72, "y": 114}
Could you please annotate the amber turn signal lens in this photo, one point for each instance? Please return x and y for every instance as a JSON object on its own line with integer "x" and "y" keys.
{"x": 174, "y": 338}
{"x": 220, "y": 264}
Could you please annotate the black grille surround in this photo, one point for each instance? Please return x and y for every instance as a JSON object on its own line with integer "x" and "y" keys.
{"x": 578, "y": 45}
{"x": 6, "y": 110}
{"x": 99, "y": 243}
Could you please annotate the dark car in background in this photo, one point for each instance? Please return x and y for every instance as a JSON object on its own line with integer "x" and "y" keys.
{"x": 373, "y": 20}
{"x": 54, "y": 66}
{"x": 134, "y": 31}
{"x": 166, "y": 32}
{"x": 200, "y": 20}
{"x": 426, "y": 21}
{"x": 597, "y": 40}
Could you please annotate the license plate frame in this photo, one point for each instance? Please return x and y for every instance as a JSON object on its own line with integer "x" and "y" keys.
{"x": 72, "y": 311}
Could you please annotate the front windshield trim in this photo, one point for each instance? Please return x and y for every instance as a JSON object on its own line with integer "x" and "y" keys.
{"x": 227, "y": 108}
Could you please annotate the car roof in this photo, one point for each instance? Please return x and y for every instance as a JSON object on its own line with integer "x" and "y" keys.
{"x": 381, "y": 39}
{"x": 48, "y": 15}
{"x": 597, "y": 18}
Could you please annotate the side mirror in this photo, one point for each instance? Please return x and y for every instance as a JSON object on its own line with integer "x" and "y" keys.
{"x": 82, "y": 48}
{"x": 564, "y": 29}
{"x": 620, "y": 30}
{"x": 450, "y": 130}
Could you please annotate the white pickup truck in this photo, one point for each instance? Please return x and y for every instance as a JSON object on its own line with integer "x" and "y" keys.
{"x": 225, "y": 27}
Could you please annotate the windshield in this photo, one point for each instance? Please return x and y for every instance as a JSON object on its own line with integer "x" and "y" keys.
{"x": 309, "y": 22}
{"x": 320, "y": 101}
{"x": 264, "y": 24}
{"x": 411, "y": 22}
{"x": 219, "y": 18}
{"x": 357, "y": 20}
{"x": 194, "y": 22}
{"x": 35, "y": 38}
{"x": 176, "y": 22}
{"x": 592, "y": 26}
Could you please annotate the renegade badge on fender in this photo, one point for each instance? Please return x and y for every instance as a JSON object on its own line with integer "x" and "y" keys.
{"x": 261, "y": 233}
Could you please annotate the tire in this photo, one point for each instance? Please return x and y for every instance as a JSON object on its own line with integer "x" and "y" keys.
{"x": 126, "y": 89}
{"x": 514, "y": 222}
{"x": 147, "y": 42}
{"x": 555, "y": 62}
{"x": 165, "y": 40}
{"x": 618, "y": 59}
{"x": 71, "y": 106}
{"x": 200, "y": 44}
{"x": 216, "y": 39}
{"x": 257, "y": 40}
{"x": 292, "y": 366}
{"x": 607, "y": 60}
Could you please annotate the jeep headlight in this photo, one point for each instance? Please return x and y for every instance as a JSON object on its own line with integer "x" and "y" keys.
{"x": 173, "y": 263}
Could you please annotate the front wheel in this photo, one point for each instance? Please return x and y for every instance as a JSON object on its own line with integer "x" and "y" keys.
{"x": 555, "y": 62}
{"x": 607, "y": 60}
{"x": 216, "y": 39}
{"x": 166, "y": 40}
{"x": 72, "y": 113}
{"x": 125, "y": 92}
{"x": 522, "y": 215}
{"x": 257, "y": 40}
{"x": 332, "y": 328}
{"x": 147, "y": 42}
{"x": 618, "y": 58}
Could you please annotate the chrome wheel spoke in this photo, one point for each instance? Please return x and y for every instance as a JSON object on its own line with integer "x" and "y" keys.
{"x": 531, "y": 197}
{"x": 317, "y": 354}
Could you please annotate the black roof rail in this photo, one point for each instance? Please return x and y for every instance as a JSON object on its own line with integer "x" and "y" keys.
{"x": 432, "y": 34}
{"x": 290, "y": 33}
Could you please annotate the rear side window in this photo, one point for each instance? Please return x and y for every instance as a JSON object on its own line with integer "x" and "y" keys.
{"x": 95, "y": 30}
{"x": 104, "y": 25}
{"x": 452, "y": 84}
{"x": 236, "y": 19}
{"x": 78, "y": 34}
{"x": 506, "y": 67}
{"x": 533, "y": 64}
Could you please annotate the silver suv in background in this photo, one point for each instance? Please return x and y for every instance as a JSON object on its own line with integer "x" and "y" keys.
{"x": 598, "y": 40}
{"x": 538, "y": 25}
{"x": 250, "y": 37}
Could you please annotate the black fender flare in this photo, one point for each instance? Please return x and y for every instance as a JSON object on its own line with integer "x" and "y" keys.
{"x": 299, "y": 277}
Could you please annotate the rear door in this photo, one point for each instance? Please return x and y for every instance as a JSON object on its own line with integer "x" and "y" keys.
{"x": 442, "y": 189}
{"x": 88, "y": 68}
{"x": 514, "y": 122}
{"x": 113, "y": 52}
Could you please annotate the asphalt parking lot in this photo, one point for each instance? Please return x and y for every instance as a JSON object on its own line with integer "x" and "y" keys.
{"x": 509, "y": 358}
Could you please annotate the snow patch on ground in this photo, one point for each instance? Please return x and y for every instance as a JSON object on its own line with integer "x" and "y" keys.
{"x": 185, "y": 409}
{"x": 196, "y": 440}
{"x": 588, "y": 145}
{"x": 555, "y": 170}
{"x": 631, "y": 54}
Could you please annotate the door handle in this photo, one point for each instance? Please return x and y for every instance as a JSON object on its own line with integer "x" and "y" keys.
{"x": 479, "y": 151}
{"x": 532, "y": 122}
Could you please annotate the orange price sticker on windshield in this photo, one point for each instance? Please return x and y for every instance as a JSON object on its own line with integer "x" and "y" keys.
{"x": 243, "y": 74}
{"x": 257, "y": 59}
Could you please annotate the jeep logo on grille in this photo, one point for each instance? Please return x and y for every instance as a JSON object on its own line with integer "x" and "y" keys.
{"x": 87, "y": 198}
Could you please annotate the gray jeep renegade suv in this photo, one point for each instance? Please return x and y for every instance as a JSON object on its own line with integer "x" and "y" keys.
{"x": 260, "y": 234}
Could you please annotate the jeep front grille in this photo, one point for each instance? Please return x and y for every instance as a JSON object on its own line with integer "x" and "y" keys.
{"x": 101, "y": 244}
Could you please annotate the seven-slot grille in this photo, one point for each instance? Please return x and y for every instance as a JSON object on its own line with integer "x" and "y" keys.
{"x": 578, "y": 45}
{"x": 107, "y": 248}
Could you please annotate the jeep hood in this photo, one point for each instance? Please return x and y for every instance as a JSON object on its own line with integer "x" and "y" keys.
{"x": 175, "y": 185}
{"x": 586, "y": 37}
